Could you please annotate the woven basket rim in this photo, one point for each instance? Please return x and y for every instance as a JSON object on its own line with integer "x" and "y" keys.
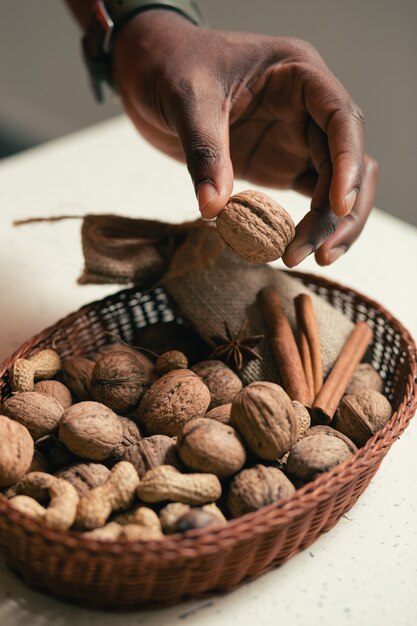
{"x": 274, "y": 515}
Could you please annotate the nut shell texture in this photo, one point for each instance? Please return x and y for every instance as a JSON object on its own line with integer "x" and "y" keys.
{"x": 90, "y": 430}
{"x": 365, "y": 377}
{"x": 265, "y": 417}
{"x": 55, "y": 389}
{"x": 16, "y": 451}
{"x": 314, "y": 455}
{"x": 151, "y": 452}
{"x": 205, "y": 445}
{"x": 256, "y": 227}
{"x": 222, "y": 382}
{"x": 84, "y": 476}
{"x": 38, "y": 412}
{"x": 76, "y": 374}
{"x": 256, "y": 487}
{"x": 167, "y": 483}
{"x": 172, "y": 401}
{"x": 171, "y": 360}
{"x": 118, "y": 381}
{"x": 362, "y": 415}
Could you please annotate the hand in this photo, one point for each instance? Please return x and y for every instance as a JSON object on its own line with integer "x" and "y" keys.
{"x": 266, "y": 109}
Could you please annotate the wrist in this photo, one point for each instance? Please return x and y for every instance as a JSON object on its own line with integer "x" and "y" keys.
{"x": 112, "y": 19}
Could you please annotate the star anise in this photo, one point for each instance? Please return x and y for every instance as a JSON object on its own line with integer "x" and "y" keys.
{"x": 238, "y": 347}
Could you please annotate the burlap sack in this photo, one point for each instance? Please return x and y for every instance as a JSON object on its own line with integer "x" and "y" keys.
{"x": 209, "y": 283}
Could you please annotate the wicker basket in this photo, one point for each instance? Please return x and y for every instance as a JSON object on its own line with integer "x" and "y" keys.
{"x": 124, "y": 575}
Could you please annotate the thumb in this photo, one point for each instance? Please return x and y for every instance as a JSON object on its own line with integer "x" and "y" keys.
{"x": 203, "y": 129}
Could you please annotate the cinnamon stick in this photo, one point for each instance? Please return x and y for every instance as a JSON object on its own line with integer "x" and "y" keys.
{"x": 325, "y": 405}
{"x": 283, "y": 345}
{"x": 310, "y": 341}
{"x": 306, "y": 360}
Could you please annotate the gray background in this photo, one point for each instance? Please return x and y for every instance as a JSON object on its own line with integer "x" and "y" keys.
{"x": 371, "y": 45}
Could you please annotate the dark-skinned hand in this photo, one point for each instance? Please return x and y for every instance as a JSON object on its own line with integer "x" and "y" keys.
{"x": 265, "y": 109}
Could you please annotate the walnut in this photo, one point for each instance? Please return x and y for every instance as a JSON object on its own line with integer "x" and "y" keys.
{"x": 303, "y": 418}
{"x": 16, "y": 451}
{"x": 151, "y": 452}
{"x": 265, "y": 417}
{"x": 39, "y": 463}
{"x": 323, "y": 429}
{"x": 38, "y": 412}
{"x": 220, "y": 413}
{"x": 55, "y": 389}
{"x": 256, "y": 227}
{"x": 118, "y": 381}
{"x": 303, "y": 423}
{"x": 171, "y": 360}
{"x": 256, "y": 487}
{"x": 84, "y": 476}
{"x": 205, "y": 445}
{"x": 90, "y": 430}
{"x": 172, "y": 401}
{"x": 171, "y": 513}
{"x": 222, "y": 382}
{"x": 314, "y": 455}
{"x": 121, "y": 347}
{"x": 76, "y": 373}
{"x": 131, "y": 436}
{"x": 365, "y": 377}
{"x": 361, "y": 415}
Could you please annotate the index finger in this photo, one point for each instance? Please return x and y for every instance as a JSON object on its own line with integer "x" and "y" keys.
{"x": 340, "y": 118}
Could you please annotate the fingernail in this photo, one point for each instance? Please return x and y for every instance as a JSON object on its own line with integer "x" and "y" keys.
{"x": 205, "y": 194}
{"x": 295, "y": 256}
{"x": 336, "y": 253}
{"x": 350, "y": 201}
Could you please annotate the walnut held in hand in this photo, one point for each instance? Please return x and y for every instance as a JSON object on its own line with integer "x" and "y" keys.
{"x": 256, "y": 227}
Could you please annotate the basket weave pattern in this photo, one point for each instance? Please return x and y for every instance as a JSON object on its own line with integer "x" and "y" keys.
{"x": 123, "y": 575}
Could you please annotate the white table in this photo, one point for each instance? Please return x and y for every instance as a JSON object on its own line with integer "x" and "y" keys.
{"x": 362, "y": 572}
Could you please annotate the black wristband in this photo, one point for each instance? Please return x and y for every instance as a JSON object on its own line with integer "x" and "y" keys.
{"x": 107, "y": 18}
